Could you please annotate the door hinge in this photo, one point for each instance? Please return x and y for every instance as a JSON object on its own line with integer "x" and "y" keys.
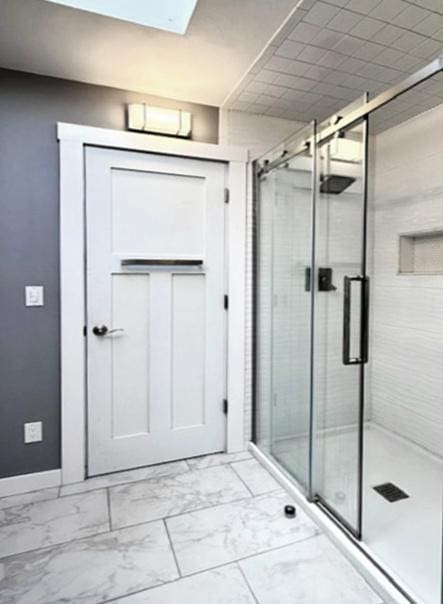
{"x": 85, "y": 330}
{"x": 226, "y": 301}
{"x": 225, "y": 405}
{"x": 227, "y": 194}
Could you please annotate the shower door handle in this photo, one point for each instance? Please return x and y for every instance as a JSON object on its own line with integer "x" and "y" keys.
{"x": 364, "y": 320}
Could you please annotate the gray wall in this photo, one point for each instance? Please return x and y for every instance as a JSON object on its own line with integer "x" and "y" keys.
{"x": 30, "y": 107}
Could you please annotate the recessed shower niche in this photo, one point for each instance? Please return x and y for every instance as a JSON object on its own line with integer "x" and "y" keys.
{"x": 421, "y": 253}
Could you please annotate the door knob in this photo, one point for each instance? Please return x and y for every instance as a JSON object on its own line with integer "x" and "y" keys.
{"x": 104, "y": 331}
{"x": 99, "y": 331}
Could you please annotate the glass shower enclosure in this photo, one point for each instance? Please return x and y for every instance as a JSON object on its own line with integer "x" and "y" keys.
{"x": 321, "y": 376}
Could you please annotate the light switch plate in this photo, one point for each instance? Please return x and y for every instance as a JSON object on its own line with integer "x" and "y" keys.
{"x": 33, "y": 432}
{"x": 34, "y": 295}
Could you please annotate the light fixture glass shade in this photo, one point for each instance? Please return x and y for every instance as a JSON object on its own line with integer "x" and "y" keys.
{"x": 159, "y": 120}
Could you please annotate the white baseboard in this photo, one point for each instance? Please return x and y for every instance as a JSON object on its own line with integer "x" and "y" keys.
{"x": 26, "y": 483}
{"x": 378, "y": 580}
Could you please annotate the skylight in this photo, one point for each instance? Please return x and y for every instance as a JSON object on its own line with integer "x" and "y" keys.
{"x": 170, "y": 15}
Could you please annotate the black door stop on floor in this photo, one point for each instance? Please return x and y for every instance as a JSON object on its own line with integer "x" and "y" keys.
{"x": 290, "y": 511}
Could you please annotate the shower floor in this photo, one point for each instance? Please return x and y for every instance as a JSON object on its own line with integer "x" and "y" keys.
{"x": 405, "y": 536}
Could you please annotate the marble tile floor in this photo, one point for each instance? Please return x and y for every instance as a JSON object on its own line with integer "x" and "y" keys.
{"x": 200, "y": 531}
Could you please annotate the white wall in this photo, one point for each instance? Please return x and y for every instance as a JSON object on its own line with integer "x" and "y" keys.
{"x": 407, "y": 311}
{"x": 258, "y": 133}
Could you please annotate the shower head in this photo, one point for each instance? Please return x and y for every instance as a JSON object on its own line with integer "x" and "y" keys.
{"x": 334, "y": 184}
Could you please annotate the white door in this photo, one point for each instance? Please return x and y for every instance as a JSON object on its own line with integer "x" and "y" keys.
{"x": 156, "y": 318}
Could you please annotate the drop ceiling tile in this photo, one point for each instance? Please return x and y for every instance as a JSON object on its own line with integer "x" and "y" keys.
{"x": 390, "y": 76}
{"x": 256, "y": 87}
{"x": 344, "y": 21}
{"x": 428, "y": 50}
{"x": 289, "y": 49}
{"x": 293, "y": 95}
{"x": 367, "y": 28}
{"x": 298, "y": 68}
{"x": 257, "y": 108}
{"x": 311, "y": 54}
{"x": 435, "y": 5}
{"x": 438, "y": 35}
{"x": 310, "y": 97}
{"x": 368, "y": 51}
{"x": 335, "y": 77}
{"x": 248, "y": 97}
{"x": 388, "y": 57}
{"x": 273, "y": 90}
{"x": 239, "y": 106}
{"x": 316, "y": 72}
{"x": 332, "y": 59}
{"x": 387, "y": 10}
{"x": 304, "y": 32}
{"x": 348, "y": 45}
{"x": 266, "y": 99}
{"x": 388, "y": 34}
{"x": 275, "y": 112}
{"x": 362, "y": 6}
{"x": 372, "y": 71}
{"x": 340, "y": 3}
{"x": 375, "y": 87}
{"x": 355, "y": 82}
{"x": 411, "y": 16}
{"x": 429, "y": 26}
{"x": 288, "y": 81}
{"x": 407, "y": 63}
{"x": 352, "y": 65}
{"x": 266, "y": 76}
{"x": 306, "y": 84}
{"x": 278, "y": 64}
{"x": 320, "y": 14}
{"x": 326, "y": 89}
{"x": 327, "y": 38}
{"x": 408, "y": 41}
{"x": 349, "y": 94}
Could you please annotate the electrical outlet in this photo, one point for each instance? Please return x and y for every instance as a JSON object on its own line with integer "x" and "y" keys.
{"x": 33, "y": 432}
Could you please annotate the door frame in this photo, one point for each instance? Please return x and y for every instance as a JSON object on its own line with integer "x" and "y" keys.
{"x": 72, "y": 142}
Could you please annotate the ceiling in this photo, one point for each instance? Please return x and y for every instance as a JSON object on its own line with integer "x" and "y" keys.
{"x": 330, "y": 52}
{"x": 294, "y": 59}
{"x": 223, "y": 39}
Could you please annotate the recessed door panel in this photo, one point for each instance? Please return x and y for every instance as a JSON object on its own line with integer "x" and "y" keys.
{"x": 188, "y": 351}
{"x": 157, "y": 213}
{"x": 130, "y": 366}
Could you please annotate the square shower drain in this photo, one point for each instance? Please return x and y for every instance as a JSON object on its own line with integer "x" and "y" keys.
{"x": 391, "y": 492}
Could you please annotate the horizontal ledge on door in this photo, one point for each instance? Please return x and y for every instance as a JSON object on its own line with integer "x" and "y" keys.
{"x": 160, "y": 262}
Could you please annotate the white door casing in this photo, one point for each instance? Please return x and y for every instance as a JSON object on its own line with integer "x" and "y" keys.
{"x": 156, "y": 388}
{"x": 73, "y": 140}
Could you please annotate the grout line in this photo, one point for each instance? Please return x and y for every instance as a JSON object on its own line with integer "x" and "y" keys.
{"x": 234, "y": 562}
{"x": 121, "y": 484}
{"x": 247, "y": 582}
{"x": 172, "y": 548}
{"x": 108, "y": 500}
{"x": 53, "y": 545}
{"x": 242, "y": 481}
{"x": 199, "y": 509}
{"x": 158, "y": 477}
{"x": 123, "y": 528}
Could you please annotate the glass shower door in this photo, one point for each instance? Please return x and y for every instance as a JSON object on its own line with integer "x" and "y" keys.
{"x": 283, "y": 309}
{"x": 340, "y": 320}
{"x": 291, "y": 312}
